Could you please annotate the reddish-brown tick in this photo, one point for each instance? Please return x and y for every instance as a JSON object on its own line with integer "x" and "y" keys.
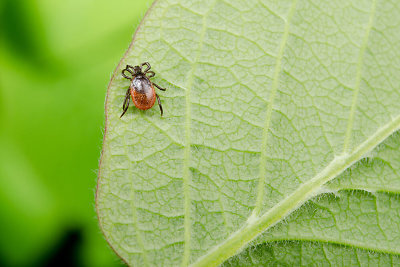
{"x": 141, "y": 89}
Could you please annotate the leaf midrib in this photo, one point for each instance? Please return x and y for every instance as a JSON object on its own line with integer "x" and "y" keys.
{"x": 256, "y": 225}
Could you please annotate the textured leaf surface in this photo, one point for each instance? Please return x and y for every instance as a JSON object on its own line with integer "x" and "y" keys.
{"x": 278, "y": 126}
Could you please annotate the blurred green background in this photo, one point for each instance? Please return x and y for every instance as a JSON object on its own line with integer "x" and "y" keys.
{"x": 56, "y": 59}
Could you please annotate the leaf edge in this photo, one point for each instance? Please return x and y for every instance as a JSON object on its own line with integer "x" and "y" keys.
{"x": 98, "y": 191}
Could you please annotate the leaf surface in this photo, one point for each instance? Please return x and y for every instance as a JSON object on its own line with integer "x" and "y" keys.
{"x": 278, "y": 125}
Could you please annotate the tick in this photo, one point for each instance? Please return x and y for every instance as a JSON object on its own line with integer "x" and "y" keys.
{"x": 141, "y": 89}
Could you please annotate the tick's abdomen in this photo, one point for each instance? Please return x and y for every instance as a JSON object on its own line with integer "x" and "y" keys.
{"x": 142, "y": 93}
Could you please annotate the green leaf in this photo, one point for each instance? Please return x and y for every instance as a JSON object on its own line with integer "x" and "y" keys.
{"x": 278, "y": 127}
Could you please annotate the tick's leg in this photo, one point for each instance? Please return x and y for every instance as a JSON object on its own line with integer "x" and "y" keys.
{"x": 128, "y": 70}
{"x": 159, "y": 104}
{"x": 148, "y": 67}
{"x": 150, "y": 74}
{"x": 125, "y": 106}
{"x": 159, "y": 87}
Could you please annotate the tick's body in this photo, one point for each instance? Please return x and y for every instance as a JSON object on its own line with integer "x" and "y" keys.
{"x": 142, "y": 92}
{"x": 141, "y": 89}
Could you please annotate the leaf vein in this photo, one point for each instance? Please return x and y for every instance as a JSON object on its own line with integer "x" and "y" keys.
{"x": 274, "y": 89}
{"x": 134, "y": 211}
{"x": 187, "y": 153}
{"x": 360, "y": 62}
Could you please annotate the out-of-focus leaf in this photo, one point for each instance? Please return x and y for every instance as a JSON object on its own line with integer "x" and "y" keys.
{"x": 19, "y": 183}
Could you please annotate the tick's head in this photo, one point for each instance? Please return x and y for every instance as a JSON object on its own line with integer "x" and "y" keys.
{"x": 137, "y": 70}
{"x": 131, "y": 72}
